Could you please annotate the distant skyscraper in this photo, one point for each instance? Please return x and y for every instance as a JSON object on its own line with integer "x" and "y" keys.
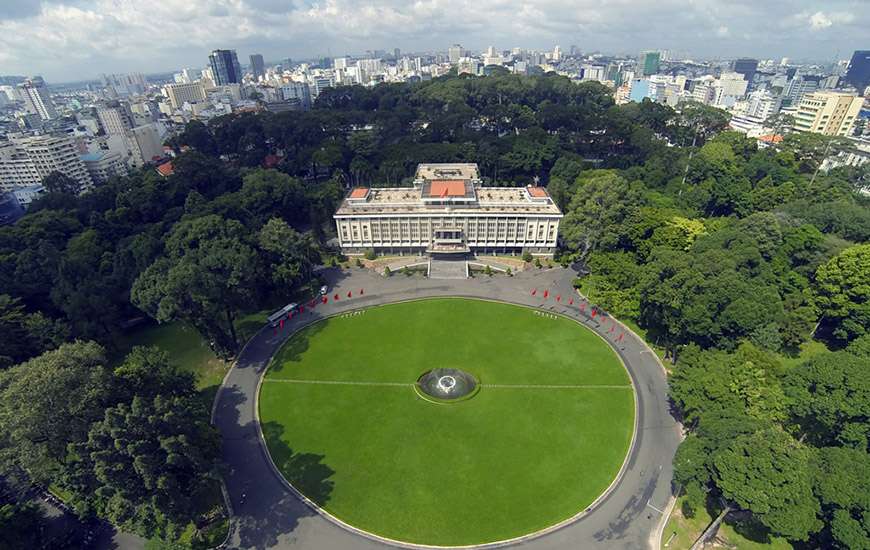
{"x": 858, "y": 74}
{"x": 648, "y": 63}
{"x": 257, "y": 66}
{"x": 36, "y": 98}
{"x": 454, "y": 52}
{"x": 746, "y": 67}
{"x": 115, "y": 118}
{"x": 225, "y": 67}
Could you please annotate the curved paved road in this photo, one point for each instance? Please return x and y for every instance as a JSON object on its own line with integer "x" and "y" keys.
{"x": 270, "y": 516}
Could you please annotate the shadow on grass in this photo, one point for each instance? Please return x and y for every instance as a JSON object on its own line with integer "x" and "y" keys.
{"x": 749, "y": 528}
{"x": 305, "y": 471}
{"x": 298, "y": 344}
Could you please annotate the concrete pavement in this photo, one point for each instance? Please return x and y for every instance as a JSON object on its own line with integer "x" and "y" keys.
{"x": 267, "y": 515}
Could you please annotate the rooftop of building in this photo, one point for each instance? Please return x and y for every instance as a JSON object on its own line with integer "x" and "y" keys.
{"x": 447, "y": 171}
{"x": 453, "y": 188}
{"x": 408, "y": 200}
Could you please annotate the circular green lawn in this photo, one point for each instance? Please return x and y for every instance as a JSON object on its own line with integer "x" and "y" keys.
{"x": 544, "y": 436}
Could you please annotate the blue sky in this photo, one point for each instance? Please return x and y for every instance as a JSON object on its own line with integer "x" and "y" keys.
{"x": 67, "y": 40}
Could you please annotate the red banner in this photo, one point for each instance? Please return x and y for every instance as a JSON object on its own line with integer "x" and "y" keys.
{"x": 534, "y": 291}
{"x": 349, "y": 294}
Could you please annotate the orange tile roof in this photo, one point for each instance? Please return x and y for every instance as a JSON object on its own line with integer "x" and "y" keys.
{"x": 166, "y": 169}
{"x": 771, "y": 138}
{"x": 537, "y": 192}
{"x": 447, "y": 188}
{"x": 359, "y": 193}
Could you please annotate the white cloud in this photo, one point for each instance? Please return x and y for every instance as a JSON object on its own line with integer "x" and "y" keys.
{"x": 821, "y": 20}
{"x": 78, "y": 39}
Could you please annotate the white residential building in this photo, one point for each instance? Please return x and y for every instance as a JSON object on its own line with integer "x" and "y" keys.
{"x": 37, "y": 100}
{"x": 27, "y": 161}
{"x": 179, "y": 94}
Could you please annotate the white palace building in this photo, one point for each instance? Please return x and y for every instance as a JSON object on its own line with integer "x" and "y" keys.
{"x": 448, "y": 211}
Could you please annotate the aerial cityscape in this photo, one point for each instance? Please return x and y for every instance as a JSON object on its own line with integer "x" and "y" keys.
{"x": 328, "y": 276}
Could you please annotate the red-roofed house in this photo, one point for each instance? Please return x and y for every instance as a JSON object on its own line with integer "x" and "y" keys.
{"x": 166, "y": 169}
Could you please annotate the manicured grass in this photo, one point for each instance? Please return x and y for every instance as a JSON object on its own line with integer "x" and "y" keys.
{"x": 681, "y": 532}
{"x": 185, "y": 348}
{"x": 507, "y": 462}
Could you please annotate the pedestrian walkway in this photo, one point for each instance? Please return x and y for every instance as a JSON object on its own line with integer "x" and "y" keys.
{"x": 448, "y": 269}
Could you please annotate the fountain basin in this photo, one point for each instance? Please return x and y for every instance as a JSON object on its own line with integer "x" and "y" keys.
{"x": 447, "y": 384}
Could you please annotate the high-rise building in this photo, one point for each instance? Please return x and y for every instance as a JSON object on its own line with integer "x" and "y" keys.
{"x": 26, "y": 162}
{"x": 144, "y": 145}
{"x": 179, "y": 94}
{"x": 648, "y": 63}
{"x": 225, "y": 67}
{"x": 115, "y": 118}
{"x": 258, "y": 68}
{"x": 828, "y": 113}
{"x": 747, "y": 67}
{"x": 800, "y": 85}
{"x": 104, "y": 165}
{"x": 858, "y": 74}
{"x": 36, "y": 98}
{"x": 454, "y": 52}
{"x": 297, "y": 92}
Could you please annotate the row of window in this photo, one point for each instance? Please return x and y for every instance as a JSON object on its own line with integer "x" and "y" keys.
{"x": 473, "y": 230}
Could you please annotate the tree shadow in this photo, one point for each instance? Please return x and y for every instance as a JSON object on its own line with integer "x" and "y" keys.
{"x": 305, "y": 471}
{"x": 748, "y": 527}
{"x": 299, "y": 343}
{"x": 265, "y": 512}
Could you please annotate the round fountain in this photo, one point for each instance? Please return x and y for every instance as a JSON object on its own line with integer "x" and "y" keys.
{"x": 447, "y": 384}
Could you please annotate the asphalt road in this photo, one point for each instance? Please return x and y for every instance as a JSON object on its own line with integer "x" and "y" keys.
{"x": 266, "y": 514}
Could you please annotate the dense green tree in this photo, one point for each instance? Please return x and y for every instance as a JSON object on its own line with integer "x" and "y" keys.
{"x": 23, "y": 526}
{"x": 143, "y": 465}
{"x": 769, "y": 474}
{"x": 47, "y": 403}
{"x": 292, "y": 254}
{"x": 599, "y": 212}
{"x": 24, "y": 335}
{"x": 62, "y": 184}
{"x": 844, "y": 292}
{"x": 206, "y": 274}
{"x": 830, "y": 399}
{"x": 842, "y": 484}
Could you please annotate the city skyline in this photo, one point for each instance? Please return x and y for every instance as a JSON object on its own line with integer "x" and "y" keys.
{"x": 107, "y": 37}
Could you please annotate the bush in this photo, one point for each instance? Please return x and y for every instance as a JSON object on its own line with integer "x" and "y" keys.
{"x": 488, "y": 271}
{"x": 538, "y": 263}
{"x": 508, "y": 272}
{"x": 527, "y": 256}
{"x": 359, "y": 262}
{"x": 370, "y": 254}
{"x": 387, "y": 271}
{"x": 406, "y": 271}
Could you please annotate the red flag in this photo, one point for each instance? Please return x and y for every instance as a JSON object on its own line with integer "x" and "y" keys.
{"x": 276, "y": 330}
{"x": 311, "y": 303}
{"x": 290, "y": 316}
{"x": 349, "y": 294}
{"x": 335, "y": 298}
{"x": 325, "y": 299}
{"x": 282, "y": 324}
{"x": 361, "y": 292}
{"x": 612, "y": 328}
{"x": 301, "y": 309}
{"x": 594, "y": 313}
{"x": 558, "y": 297}
{"x": 546, "y": 293}
{"x": 534, "y": 291}
{"x": 582, "y": 306}
{"x": 621, "y": 336}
